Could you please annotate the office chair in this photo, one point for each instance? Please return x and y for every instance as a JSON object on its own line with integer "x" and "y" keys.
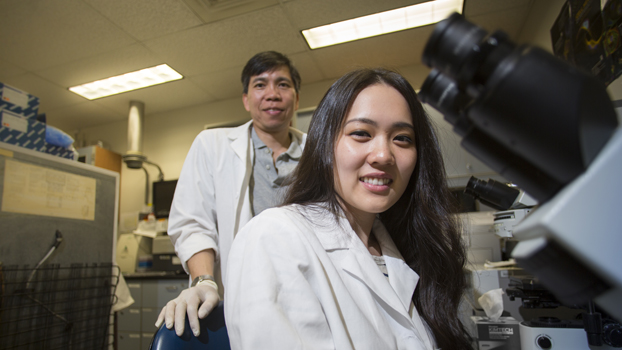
{"x": 213, "y": 335}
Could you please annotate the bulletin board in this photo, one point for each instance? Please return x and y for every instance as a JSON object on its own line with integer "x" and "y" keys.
{"x": 41, "y": 194}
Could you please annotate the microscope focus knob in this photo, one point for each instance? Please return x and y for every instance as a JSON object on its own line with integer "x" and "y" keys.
{"x": 612, "y": 334}
{"x": 544, "y": 342}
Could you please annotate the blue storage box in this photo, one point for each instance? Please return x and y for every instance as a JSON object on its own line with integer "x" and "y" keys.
{"x": 18, "y": 102}
{"x": 59, "y": 151}
{"x": 20, "y": 131}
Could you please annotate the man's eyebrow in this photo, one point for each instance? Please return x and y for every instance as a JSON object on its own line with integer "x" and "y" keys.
{"x": 280, "y": 79}
{"x": 264, "y": 79}
{"x": 256, "y": 79}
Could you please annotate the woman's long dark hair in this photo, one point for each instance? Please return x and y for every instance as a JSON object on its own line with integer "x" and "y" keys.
{"x": 420, "y": 223}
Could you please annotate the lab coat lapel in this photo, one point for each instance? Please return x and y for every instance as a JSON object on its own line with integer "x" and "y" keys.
{"x": 357, "y": 262}
{"x": 241, "y": 145}
{"x": 362, "y": 267}
{"x": 240, "y": 140}
{"x": 402, "y": 278}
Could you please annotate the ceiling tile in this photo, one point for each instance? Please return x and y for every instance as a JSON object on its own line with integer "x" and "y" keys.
{"x": 216, "y": 10}
{"x": 222, "y": 84}
{"x": 228, "y": 44}
{"x": 116, "y": 62}
{"x": 310, "y": 71}
{"x": 8, "y": 69}
{"x": 145, "y": 19}
{"x": 43, "y": 34}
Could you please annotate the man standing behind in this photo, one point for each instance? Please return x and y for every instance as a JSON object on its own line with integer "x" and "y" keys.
{"x": 230, "y": 175}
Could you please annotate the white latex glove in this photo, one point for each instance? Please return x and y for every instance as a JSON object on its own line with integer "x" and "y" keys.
{"x": 188, "y": 301}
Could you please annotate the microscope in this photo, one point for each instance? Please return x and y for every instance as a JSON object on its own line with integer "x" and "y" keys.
{"x": 547, "y": 321}
{"x": 551, "y": 129}
{"x": 512, "y": 203}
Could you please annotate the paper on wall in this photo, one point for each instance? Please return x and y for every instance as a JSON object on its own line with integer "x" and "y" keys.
{"x": 32, "y": 189}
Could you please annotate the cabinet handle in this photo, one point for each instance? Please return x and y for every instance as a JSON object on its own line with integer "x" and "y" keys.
{"x": 171, "y": 288}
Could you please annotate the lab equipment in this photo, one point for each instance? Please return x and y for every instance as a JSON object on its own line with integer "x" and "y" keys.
{"x": 513, "y": 205}
{"x": 552, "y": 325}
{"x": 130, "y": 248}
{"x": 552, "y": 130}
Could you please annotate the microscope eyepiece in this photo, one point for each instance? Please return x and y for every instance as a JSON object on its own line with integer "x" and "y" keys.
{"x": 492, "y": 193}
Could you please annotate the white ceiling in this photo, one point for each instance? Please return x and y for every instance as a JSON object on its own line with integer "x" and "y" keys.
{"x": 47, "y": 46}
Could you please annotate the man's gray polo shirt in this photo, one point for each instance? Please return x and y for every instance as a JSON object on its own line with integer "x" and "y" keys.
{"x": 268, "y": 183}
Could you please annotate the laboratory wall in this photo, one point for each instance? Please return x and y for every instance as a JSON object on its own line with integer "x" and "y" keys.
{"x": 168, "y": 136}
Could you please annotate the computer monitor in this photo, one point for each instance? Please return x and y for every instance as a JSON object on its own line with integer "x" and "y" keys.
{"x": 163, "y": 192}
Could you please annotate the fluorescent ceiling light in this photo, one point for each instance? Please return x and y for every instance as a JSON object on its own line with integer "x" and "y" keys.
{"x": 127, "y": 82}
{"x": 382, "y": 23}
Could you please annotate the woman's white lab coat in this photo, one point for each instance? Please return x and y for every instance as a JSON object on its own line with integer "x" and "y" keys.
{"x": 299, "y": 280}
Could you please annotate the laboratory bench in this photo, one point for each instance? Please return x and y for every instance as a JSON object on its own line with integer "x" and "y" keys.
{"x": 150, "y": 291}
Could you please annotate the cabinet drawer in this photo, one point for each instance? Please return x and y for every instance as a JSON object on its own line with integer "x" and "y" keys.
{"x": 129, "y": 320}
{"x": 137, "y": 292}
{"x": 149, "y": 317}
{"x": 157, "y": 293}
{"x": 129, "y": 341}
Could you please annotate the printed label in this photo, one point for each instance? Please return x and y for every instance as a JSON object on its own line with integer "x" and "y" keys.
{"x": 14, "y": 96}
{"x": 14, "y": 122}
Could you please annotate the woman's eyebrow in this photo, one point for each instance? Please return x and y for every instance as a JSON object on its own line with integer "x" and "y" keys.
{"x": 402, "y": 125}
{"x": 398, "y": 125}
{"x": 362, "y": 120}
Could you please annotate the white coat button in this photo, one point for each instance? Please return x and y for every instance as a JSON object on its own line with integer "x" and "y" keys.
{"x": 267, "y": 167}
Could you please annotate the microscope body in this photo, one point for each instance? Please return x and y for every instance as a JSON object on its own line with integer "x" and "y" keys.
{"x": 551, "y": 129}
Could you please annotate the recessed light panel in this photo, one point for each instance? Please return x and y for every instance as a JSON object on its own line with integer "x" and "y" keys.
{"x": 381, "y": 23}
{"x": 127, "y": 82}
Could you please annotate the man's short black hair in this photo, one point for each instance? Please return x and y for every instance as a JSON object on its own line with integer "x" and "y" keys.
{"x": 265, "y": 62}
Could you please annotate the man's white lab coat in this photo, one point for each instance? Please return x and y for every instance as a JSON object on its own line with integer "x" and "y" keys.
{"x": 299, "y": 280}
{"x": 212, "y": 201}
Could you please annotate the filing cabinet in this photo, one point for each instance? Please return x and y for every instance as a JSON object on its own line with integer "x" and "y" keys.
{"x": 136, "y": 324}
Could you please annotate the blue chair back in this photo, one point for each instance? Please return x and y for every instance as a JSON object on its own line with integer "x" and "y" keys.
{"x": 213, "y": 335}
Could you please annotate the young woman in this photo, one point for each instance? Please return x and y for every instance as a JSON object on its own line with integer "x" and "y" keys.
{"x": 364, "y": 254}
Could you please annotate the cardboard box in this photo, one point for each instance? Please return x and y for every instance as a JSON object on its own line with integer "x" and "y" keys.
{"x": 20, "y": 131}
{"x": 19, "y": 102}
{"x": 501, "y": 335}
